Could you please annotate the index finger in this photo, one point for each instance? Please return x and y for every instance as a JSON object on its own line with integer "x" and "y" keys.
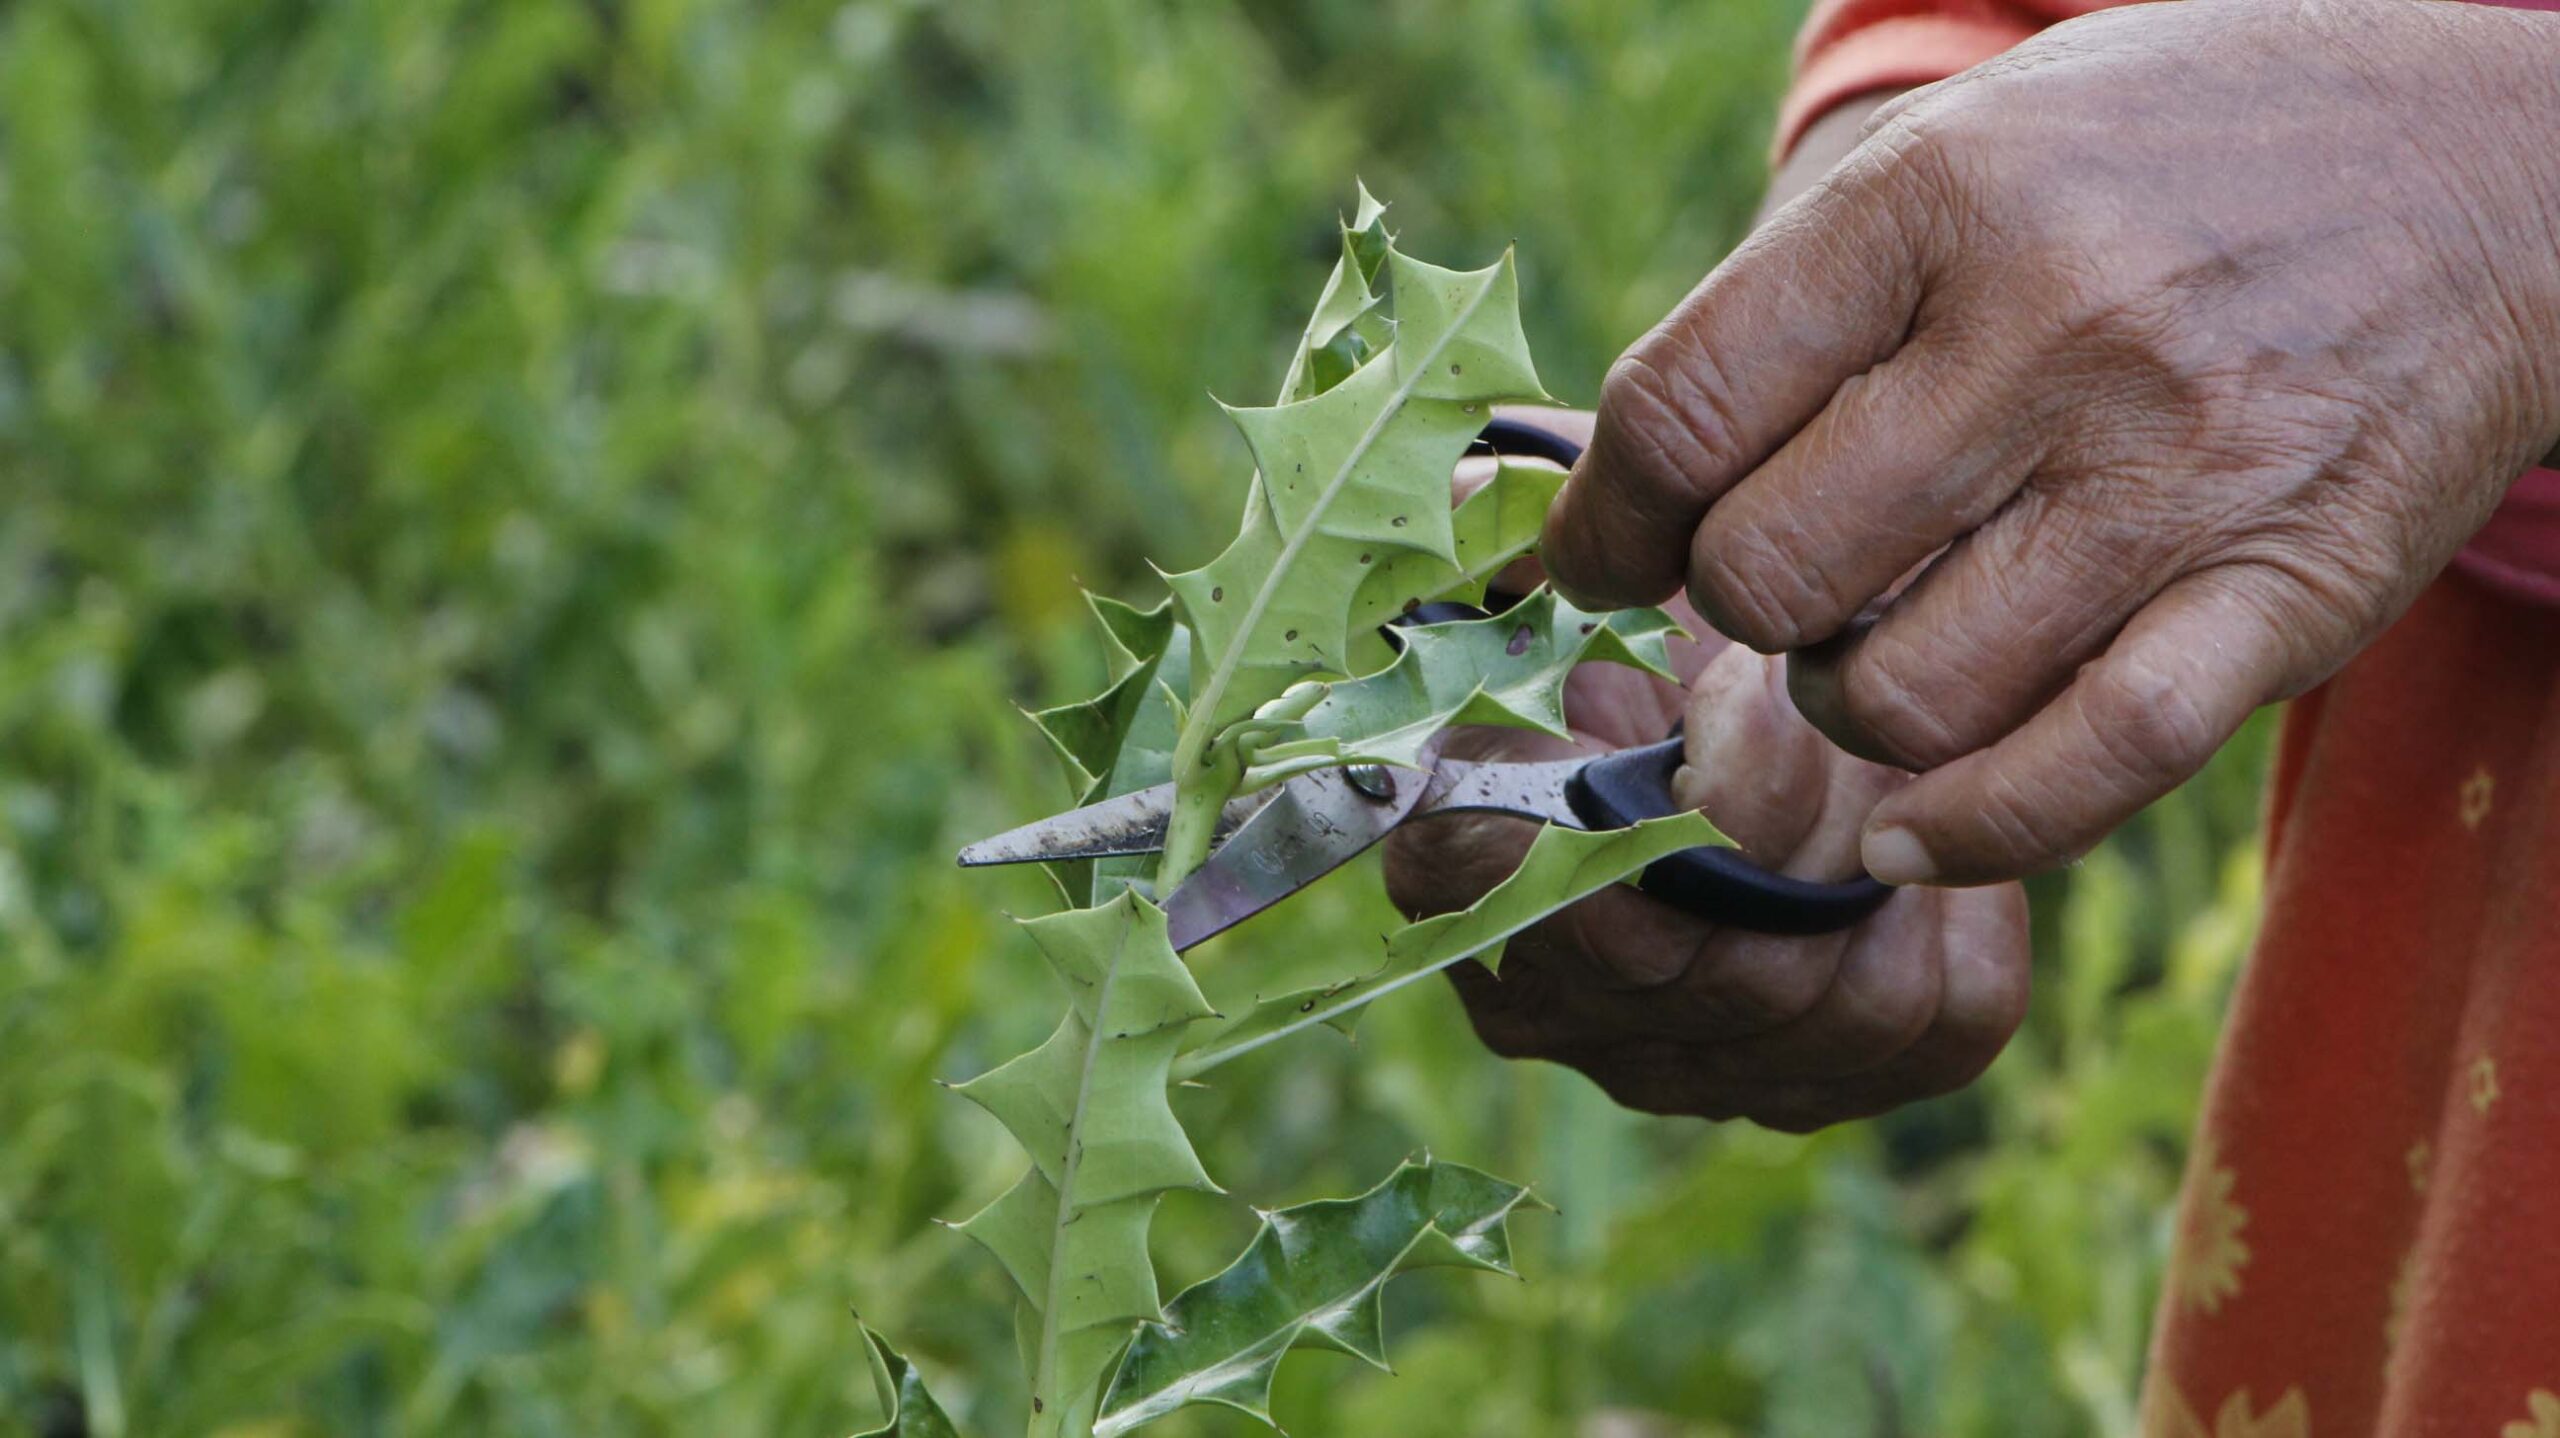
{"x": 1825, "y": 289}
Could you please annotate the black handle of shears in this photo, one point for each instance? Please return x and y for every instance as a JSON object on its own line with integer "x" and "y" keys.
{"x": 1619, "y": 789}
{"x": 1616, "y": 790}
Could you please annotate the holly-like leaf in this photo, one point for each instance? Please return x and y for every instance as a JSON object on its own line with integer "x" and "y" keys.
{"x": 1495, "y": 525}
{"x": 1562, "y": 866}
{"x": 1347, "y": 326}
{"x": 1272, "y": 648}
{"x": 1089, "y": 1106}
{"x": 1091, "y": 736}
{"x": 1121, "y": 740}
{"x": 1344, "y": 481}
{"x": 912, "y": 1411}
{"x": 1312, "y": 1278}
{"x": 1508, "y": 669}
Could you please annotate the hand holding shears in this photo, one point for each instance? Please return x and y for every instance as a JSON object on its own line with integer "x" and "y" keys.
{"x": 1669, "y": 1011}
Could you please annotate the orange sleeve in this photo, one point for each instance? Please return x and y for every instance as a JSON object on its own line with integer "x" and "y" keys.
{"x": 1854, "y": 47}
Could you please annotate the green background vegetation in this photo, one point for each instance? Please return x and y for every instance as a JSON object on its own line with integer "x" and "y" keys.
{"x": 524, "y": 522}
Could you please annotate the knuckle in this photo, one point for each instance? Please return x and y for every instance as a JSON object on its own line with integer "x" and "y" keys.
{"x": 1884, "y": 694}
{"x": 1883, "y": 1005}
{"x": 1416, "y": 879}
{"x": 1764, "y": 984}
{"x": 1669, "y": 403}
{"x": 1583, "y": 930}
{"x": 1924, "y": 161}
{"x": 2149, "y": 724}
{"x": 2029, "y": 827}
{"x": 1753, "y": 585}
{"x": 2326, "y": 573}
{"x": 1441, "y": 867}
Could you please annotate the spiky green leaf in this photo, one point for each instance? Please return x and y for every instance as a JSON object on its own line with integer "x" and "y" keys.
{"x": 1562, "y": 866}
{"x": 912, "y": 1413}
{"x": 1346, "y": 480}
{"x": 1508, "y": 669}
{"x": 1096, "y": 1285}
{"x": 1347, "y": 327}
{"x": 1091, "y": 736}
{"x": 1495, "y": 525}
{"x": 1121, "y": 740}
{"x": 1312, "y": 1278}
{"x": 1458, "y": 334}
{"x": 1089, "y": 1106}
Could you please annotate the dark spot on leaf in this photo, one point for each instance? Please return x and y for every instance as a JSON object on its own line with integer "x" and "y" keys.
{"x": 1308, "y": 1007}
{"x": 1587, "y": 628}
{"x": 1291, "y": 635}
{"x": 1217, "y": 593}
{"x": 1398, "y": 521}
{"x": 1037, "y": 1406}
{"x": 1364, "y": 559}
{"x": 1456, "y": 369}
{"x": 1412, "y": 604}
{"x": 1519, "y": 644}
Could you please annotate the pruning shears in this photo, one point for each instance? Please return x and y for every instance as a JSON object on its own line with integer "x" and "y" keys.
{"x": 1272, "y": 843}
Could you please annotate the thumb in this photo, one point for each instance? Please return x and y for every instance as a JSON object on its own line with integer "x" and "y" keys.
{"x": 1791, "y": 800}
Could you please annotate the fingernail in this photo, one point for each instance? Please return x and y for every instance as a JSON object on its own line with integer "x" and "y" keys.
{"x": 1896, "y": 856}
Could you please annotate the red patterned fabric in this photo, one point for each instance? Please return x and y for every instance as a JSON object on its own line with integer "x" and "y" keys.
{"x": 2369, "y": 1240}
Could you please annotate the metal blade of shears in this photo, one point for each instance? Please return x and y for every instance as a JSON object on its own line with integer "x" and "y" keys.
{"x": 1314, "y": 825}
{"x": 1273, "y": 843}
{"x": 1132, "y": 823}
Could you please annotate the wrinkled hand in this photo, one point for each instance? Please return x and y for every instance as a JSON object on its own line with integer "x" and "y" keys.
{"x": 2191, "y": 340}
{"x": 1673, "y": 1015}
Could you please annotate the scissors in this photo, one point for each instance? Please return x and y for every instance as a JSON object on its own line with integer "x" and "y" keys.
{"x": 1270, "y": 844}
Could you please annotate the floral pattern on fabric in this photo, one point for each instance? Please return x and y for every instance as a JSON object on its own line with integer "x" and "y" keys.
{"x": 2544, "y": 1406}
{"x": 2289, "y": 1418}
{"x": 2479, "y": 792}
{"x": 2204, "y": 1268}
{"x": 2484, "y": 1084}
{"x": 2368, "y": 1217}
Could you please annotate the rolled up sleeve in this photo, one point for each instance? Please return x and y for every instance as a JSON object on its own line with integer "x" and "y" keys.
{"x": 1850, "y": 48}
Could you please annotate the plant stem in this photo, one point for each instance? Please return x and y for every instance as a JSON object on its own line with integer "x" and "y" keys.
{"x": 1206, "y": 774}
{"x": 1053, "y": 1413}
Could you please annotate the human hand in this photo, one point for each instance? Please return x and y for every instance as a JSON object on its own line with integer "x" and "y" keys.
{"x": 2192, "y": 340}
{"x": 1671, "y": 1014}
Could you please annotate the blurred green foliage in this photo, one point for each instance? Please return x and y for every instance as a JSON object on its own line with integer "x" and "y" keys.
{"x": 522, "y": 520}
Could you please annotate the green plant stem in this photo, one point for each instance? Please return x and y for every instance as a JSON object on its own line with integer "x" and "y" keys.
{"x": 1050, "y": 1412}
{"x": 1206, "y": 773}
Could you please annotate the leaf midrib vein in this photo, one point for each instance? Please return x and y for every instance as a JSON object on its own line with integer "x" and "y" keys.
{"x": 1045, "y": 1375}
{"x": 1209, "y": 1056}
{"x": 1224, "y": 674}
